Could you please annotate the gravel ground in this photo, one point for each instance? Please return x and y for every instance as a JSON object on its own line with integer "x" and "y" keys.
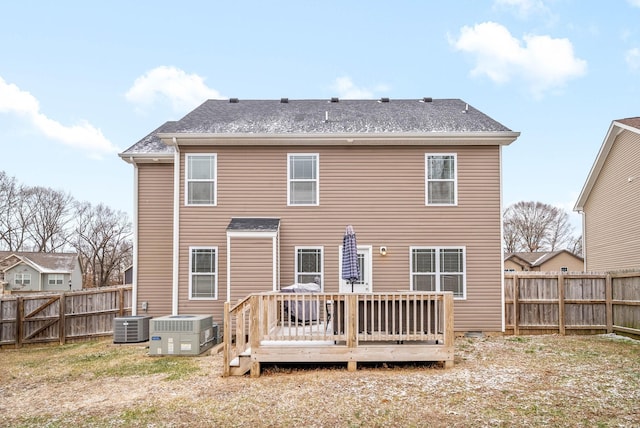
{"x": 496, "y": 381}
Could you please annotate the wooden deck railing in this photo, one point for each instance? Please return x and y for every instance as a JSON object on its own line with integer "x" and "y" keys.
{"x": 337, "y": 327}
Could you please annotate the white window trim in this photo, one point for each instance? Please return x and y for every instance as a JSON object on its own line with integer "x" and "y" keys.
{"x": 57, "y": 276}
{"x": 316, "y": 180}
{"x": 216, "y": 273}
{"x": 427, "y": 180}
{"x": 187, "y": 180}
{"x": 309, "y": 247}
{"x": 22, "y": 276}
{"x": 437, "y": 263}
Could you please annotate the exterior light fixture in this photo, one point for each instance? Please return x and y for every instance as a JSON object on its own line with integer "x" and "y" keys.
{"x": 383, "y": 250}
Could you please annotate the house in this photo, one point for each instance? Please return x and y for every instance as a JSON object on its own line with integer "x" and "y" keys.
{"x": 543, "y": 261}
{"x": 128, "y": 276}
{"x": 610, "y": 201}
{"x": 243, "y": 196}
{"x": 29, "y": 272}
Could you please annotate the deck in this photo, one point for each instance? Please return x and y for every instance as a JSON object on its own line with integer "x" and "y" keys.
{"x": 337, "y": 327}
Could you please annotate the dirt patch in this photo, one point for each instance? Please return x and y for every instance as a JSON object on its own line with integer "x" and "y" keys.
{"x": 496, "y": 381}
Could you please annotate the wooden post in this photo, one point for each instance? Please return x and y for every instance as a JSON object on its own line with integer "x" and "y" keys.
{"x": 561, "y": 308}
{"x": 608, "y": 291}
{"x": 449, "y": 336}
{"x": 121, "y": 301}
{"x": 352, "y": 327}
{"x": 226, "y": 341}
{"x": 62, "y": 319}
{"x": 19, "y": 321}
{"x": 254, "y": 333}
{"x": 516, "y": 292}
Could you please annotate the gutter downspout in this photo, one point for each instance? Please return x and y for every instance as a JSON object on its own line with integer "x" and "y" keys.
{"x": 134, "y": 271}
{"x": 176, "y": 227}
{"x": 583, "y": 215}
{"x": 502, "y": 311}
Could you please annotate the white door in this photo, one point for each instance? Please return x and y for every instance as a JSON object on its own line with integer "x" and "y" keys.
{"x": 363, "y": 285}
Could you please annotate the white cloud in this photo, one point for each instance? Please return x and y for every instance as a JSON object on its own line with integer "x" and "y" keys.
{"x": 346, "y": 89}
{"x": 542, "y": 62}
{"x": 633, "y": 58}
{"x": 82, "y": 136}
{"x": 184, "y": 91}
{"x": 635, "y": 3}
{"x": 524, "y": 8}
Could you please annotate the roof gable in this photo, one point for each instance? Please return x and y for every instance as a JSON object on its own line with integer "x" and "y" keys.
{"x": 617, "y": 126}
{"x": 42, "y": 262}
{"x": 537, "y": 258}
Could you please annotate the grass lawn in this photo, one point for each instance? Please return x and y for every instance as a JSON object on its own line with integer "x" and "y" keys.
{"x": 590, "y": 381}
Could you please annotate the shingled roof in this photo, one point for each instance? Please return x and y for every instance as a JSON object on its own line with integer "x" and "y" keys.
{"x": 43, "y": 262}
{"x": 384, "y": 117}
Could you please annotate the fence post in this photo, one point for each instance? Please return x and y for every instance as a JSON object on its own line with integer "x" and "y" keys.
{"x": 19, "y": 321}
{"x": 608, "y": 291}
{"x": 121, "y": 301}
{"x": 561, "y": 308}
{"x": 516, "y": 315}
{"x": 62, "y": 307}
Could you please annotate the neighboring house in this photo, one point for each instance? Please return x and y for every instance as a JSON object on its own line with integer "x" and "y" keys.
{"x": 29, "y": 272}
{"x": 541, "y": 261}
{"x": 251, "y": 196}
{"x": 128, "y": 276}
{"x": 610, "y": 201}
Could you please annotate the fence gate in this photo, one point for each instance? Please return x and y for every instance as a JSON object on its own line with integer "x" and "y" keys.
{"x": 41, "y": 319}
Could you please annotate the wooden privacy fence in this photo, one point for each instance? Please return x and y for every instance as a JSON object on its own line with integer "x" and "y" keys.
{"x": 560, "y": 302}
{"x": 58, "y": 317}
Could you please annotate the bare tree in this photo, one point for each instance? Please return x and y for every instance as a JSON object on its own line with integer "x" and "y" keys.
{"x": 576, "y": 246}
{"x": 14, "y": 217}
{"x": 102, "y": 239}
{"x": 535, "y": 226}
{"x": 510, "y": 235}
{"x": 50, "y": 214}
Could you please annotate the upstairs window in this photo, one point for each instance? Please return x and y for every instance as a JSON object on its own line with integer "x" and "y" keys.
{"x": 203, "y": 278}
{"x": 200, "y": 180}
{"x": 309, "y": 265}
{"x": 438, "y": 269}
{"x": 302, "y": 178}
{"x": 441, "y": 183}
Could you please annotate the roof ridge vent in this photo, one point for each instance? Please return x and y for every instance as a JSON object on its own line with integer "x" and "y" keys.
{"x": 384, "y": 100}
{"x": 426, "y": 100}
{"x": 335, "y": 99}
{"x": 284, "y": 100}
{"x": 234, "y": 100}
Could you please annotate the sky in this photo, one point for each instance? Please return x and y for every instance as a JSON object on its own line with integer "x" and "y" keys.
{"x": 82, "y": 81}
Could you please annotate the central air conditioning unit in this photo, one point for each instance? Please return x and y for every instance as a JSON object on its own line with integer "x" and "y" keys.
{"x": 181, "y": 335}
{"x": 131, "y": 329}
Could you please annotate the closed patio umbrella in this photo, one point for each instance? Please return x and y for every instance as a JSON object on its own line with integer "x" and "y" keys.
{"x": 350, "y": 268}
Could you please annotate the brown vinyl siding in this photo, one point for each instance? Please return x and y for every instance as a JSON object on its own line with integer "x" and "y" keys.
{"x": 252, "y": 263}
{"x": 380, "y": 191}
{"x": 612, "y": 214}
{"x": 155, "y": 229}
